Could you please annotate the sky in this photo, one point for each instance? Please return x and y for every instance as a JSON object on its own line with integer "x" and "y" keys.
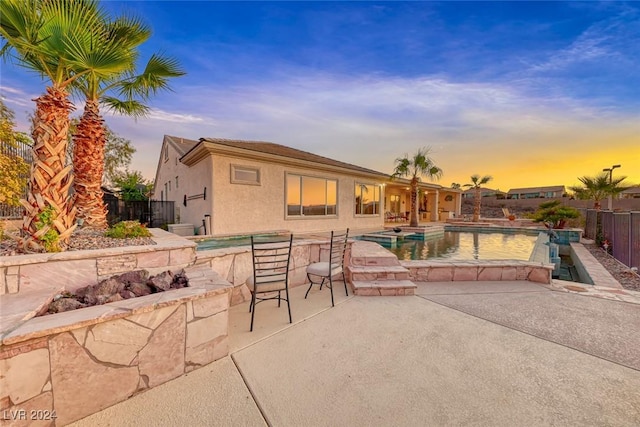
{"x": 531, "y": 93}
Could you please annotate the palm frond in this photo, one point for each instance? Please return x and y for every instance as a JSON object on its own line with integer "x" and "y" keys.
{"x": 131, "y": 108}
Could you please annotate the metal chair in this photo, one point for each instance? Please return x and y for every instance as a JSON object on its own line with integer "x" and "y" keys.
{"x": 327, "y": 269}
{"x": 271, "y": 258}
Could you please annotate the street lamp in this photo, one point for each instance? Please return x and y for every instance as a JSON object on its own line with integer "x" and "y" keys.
{"x": 610, "y": 198}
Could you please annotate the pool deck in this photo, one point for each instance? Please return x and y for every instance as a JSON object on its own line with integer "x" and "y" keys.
{"x": 455, "y": 353}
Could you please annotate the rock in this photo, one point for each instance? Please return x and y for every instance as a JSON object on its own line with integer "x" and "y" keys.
{"x": 126, "y": 294}
{"x": 161, "y": 282}
{"x": 180, "y": 281}
{"x": 114, "y": 298}
{"x": 65, "y": 304}
{"x": 139, "y": 289}
{"x": 137, "y": 276}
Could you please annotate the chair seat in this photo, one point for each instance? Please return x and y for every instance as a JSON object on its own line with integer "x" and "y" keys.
{"x": 322, "y": 269}
{"x": 265, "y": 287}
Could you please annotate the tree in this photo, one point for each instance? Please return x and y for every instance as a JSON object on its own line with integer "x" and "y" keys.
{"x": 598, "y": 188}
{"x": 551, "y": 212}
{"x": 62, "y": 40}
{"x": 132, "y": 186}
{"x": 476, "y": 184}
{"x": 118, "y": 152}
{"x": 121, "y": 90}
{"x": 455, "y": 186}
{"x": 420, "y": 164}
{"x": 13, "y": 168}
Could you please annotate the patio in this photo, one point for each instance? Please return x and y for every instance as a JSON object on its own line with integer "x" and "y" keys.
{"x": 456, "y": 353}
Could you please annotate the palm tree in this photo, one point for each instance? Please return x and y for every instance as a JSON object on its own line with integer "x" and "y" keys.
{"x": 89, "y": 139}
{"x": 476, "y": 183}
{"x": 54, "y": 39}
{"x": 598, "y": 188}
{"x": 415, "y": 167}
{"x": 455, "y": 186}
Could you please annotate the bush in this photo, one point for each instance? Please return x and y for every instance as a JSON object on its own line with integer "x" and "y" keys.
{"x": 552, "y": 212}
{"x": 127, "y": 229}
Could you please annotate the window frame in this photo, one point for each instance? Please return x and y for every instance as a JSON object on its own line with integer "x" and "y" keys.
{"x": 379, "y": 201}
{"x": 301, "y": 215}
{"x": 232, "y": 178}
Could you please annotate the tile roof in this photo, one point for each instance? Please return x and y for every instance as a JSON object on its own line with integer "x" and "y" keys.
{"x": 536, "y": 189}
{"x": 288, "y": 152}
{"x": 182, "y": 145}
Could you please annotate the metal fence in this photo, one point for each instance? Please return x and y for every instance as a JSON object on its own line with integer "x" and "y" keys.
{"x": 154, "y": 213}
{"x": 22, "y": 150}
{"x": 621, "y": 231}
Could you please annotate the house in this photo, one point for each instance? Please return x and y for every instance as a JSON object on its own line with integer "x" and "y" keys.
{"x": 631, "y": 193}
{"x": 484, "y": 192}
{"x": 536, "y": 192}
{"x": 246, "y": 187}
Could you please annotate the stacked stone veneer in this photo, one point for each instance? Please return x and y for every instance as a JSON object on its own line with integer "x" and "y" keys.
{"x": 79, "y": 362}
{"x": 488, "y": 270}
{"x": 75, "y": 269}
{"x": 235, "y": 264}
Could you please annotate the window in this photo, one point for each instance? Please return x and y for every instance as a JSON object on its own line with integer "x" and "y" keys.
{"x": 165, "y": 189}
{"x": 367, "y": 199}
{"x": 169, "y": 187}
{"x": 176, "y": 182}
{"x": 166, "y": 152}
{"x": 245, "y": 175}
{"x": 311, "y": 196}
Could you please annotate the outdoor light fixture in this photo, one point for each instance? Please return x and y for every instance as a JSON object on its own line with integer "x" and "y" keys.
{"x": 610, "y": 198}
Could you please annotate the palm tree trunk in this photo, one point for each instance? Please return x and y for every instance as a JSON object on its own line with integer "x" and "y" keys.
{"x": 414, "y": 201}
{"x": 476, "y": 206}
{"x": 49, "y": 214}
{"x": 88, "y": 164}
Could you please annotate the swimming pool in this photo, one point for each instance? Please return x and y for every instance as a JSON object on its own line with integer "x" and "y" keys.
{"x": 227, "y": 242}
{"x": 465, "y": 245}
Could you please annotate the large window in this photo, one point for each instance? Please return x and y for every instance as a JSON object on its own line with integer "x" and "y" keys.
{"x": 367, "y": 198}
{"x": 311, "y": 196}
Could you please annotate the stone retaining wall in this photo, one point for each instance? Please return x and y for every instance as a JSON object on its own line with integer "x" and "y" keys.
{"x": 447, "y": 271}
{"x": 76, "y": 363}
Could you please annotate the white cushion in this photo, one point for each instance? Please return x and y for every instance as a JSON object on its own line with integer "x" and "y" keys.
{"x": 265, "y": 287}
{"x": 322, "y": 269}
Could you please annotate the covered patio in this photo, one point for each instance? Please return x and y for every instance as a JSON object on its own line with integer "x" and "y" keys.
{"x": 435, "y": 202}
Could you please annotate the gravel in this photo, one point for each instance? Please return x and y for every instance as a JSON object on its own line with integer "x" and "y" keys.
{"x": 82, "y": 239}
{"x": 623, "y": 274}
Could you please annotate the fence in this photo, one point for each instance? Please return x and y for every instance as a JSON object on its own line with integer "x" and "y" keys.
{"x": 154, "y": 213}
{"x": 621, "y": 231}
{"x": 22, "y": 150}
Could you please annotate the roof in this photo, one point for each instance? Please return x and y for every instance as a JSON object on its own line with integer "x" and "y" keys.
{"x": 182, "y": 145}
{"x": 632, "y": 190}
{"x": 277, "y": 150}
{"x": 483, "y": 190}
{"x": 536, "y": 189}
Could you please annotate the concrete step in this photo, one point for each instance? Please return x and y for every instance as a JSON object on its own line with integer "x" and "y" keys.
{"x": 383, "y": 288}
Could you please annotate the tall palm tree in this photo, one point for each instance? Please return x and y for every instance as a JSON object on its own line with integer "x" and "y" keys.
{"x": 476, "y": 183}
{"x": 52, "y": 38}
{"x": 420, "y": 164}
{"x": 89, "y": 139}
{"x": 598, "y": 188}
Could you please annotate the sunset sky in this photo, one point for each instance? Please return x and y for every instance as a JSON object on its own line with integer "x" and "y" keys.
{"x": 533, "y": 93}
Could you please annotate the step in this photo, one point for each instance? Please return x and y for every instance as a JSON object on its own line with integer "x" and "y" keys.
{"x": 383, "y": 288}
{"x": 383, "y": 273}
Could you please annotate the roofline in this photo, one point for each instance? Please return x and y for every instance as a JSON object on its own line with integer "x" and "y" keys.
{"x": 206, "y": 148}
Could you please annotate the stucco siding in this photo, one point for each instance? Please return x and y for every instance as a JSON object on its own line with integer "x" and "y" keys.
{"x": 241, "y": 208}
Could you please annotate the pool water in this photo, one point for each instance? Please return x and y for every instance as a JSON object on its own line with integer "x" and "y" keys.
{"x": 466, "y": 245}
{"x": 227, "y": 242}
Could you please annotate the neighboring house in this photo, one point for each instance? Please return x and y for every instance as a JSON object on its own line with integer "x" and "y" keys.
{"x": 536, "y": 192}
{"x": 631, "y": 193}
{"x": 251, "y": 186}
{"x": 484, "y": 192}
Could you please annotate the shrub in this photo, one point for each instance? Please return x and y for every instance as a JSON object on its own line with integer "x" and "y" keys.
{"x": 127, "y": 229}
{"x": 552, "y": 212}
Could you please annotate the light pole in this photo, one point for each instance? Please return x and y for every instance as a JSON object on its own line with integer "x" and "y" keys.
{"x": 610, "y": 198}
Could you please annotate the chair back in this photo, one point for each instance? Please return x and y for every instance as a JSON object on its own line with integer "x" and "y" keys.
{"x": 271, "y": 258}
{"x": 337, "y": 248}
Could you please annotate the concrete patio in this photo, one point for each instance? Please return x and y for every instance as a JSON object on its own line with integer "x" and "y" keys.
{"x": 456, "y": 353}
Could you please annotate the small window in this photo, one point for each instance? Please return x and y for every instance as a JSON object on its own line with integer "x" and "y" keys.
{"x": 176, "y": 182}
{"x": 245, "y": 175}
{"x": 166, "y": 152}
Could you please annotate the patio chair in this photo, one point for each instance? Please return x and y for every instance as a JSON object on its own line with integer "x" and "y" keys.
{"x": 271, "y": 257}
{"x": 325, "y": 270}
